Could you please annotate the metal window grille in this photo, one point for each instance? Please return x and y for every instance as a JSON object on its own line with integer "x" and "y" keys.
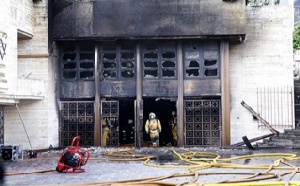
{"x": 203, "y": 123}
{"x": 276, "y": 106}
{"x": 77, "y": 119}
{"x": 110, "y": 113}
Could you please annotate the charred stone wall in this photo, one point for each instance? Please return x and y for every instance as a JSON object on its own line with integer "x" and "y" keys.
{"x": 147, "y": 18}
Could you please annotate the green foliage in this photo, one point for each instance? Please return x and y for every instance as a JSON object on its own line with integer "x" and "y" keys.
{"x": 296, "y": 36}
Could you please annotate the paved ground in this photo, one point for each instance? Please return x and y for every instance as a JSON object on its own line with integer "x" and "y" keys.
{"x": 99, "y": 170}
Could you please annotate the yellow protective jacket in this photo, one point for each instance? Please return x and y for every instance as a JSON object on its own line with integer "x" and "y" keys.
{"x": 152, "y": 126}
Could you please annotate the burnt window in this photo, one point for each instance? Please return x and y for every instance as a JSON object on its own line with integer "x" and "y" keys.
{"x": 210, "y": 65}
{"x": 78, "y": 61}
{"x": 118, "y": 59}
{"x": 159, "y": 60}
{"x": 201, "y": 59}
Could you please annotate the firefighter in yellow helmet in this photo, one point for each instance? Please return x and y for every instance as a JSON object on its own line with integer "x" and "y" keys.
{"x": 173, "y": 124}
{"x": 153, "y": 128}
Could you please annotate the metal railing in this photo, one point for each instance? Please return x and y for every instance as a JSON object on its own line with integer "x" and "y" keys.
{"x": 276, "y": 105}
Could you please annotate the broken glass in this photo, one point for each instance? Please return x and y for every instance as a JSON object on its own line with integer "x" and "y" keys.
{"x": 69, "y": 56}
{"x": 192, "y": 55}
{"x": 150, "y": 55}
{"x": 109, "y": 65}
{"x": 210, "y": 72}
{"x": 87, "y": 74}
{"x": 127, "y": 55}
{"x": 86, "y": 56}
{"x": 69, "y": 74}
{"x": 127, "y": 64}
{"x": 70, "y": 66}
{"x": 193, "y": 63}
{"x": 168, "y": 73}
{"x": 127, "y": 73}
{"x": 86, "y": 65}
{"x": 168, "y": 64}
{"x": 168, "y": 55}
{"x": 192, "y": 73}
{"x": 109, "y": 56}
{"x": 150, "y": 64}
{"x": 150, "y": 73}
{"x": 109, "y": 74}
{"x": 210, "y": 62}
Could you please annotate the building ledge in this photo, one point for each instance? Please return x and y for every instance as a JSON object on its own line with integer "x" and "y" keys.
{"x": 6, "y": 99}
{"x": 24, "y": 35}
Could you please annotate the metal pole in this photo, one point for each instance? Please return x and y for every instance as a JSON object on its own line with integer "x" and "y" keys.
{"x": 22, "y": 122}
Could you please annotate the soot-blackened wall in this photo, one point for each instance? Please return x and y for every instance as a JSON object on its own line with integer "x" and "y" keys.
{"x": 147, "y": 18}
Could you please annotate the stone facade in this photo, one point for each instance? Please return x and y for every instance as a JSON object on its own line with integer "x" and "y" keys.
{"x": 26, "y": 70}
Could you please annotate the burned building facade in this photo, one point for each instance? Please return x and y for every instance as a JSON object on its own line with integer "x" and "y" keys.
{"x": 112, "y": 62}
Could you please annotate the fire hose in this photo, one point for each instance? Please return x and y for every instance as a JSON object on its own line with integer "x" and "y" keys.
{"x": 195, "y": 161}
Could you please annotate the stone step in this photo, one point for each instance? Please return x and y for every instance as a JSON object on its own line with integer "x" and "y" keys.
{"x": 290, "y": 138}
{"x": 263, "y": 145}
{"x": 280, "y": 138}
{"x": 292, "y": 131}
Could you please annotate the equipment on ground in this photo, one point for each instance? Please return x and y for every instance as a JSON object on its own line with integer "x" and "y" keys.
{"x": 11, "y": 152}
{"x": 73, "y": 157}
{"x": 32, "y": 154}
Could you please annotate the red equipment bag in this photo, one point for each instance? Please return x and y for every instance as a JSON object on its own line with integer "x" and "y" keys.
{"x": 73, "y": 157}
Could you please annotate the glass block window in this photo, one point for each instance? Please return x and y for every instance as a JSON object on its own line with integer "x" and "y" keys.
{"x": 118, "y": 60}
{"x": 202, "y": 123}
{"x": 78, "y": 61}
{"x": 77, "y": 119}
{"x": 201, "y": 60}
{"x": 159, "y": 60}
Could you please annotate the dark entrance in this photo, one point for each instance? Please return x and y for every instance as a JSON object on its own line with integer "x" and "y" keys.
{"x": 127, "y": 124}
{"x": 162, "y": 108}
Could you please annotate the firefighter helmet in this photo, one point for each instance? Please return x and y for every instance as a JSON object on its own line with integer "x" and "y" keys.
{"x": 152, "y": 115}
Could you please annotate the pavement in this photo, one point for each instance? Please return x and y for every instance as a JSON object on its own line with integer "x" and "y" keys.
{"x": 102, "y": 168}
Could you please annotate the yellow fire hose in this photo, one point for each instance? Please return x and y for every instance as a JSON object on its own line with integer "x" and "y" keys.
{"x": 195, "y": 161}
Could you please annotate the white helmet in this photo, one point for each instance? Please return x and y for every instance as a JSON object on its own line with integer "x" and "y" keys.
{"x": 152, "y": 115}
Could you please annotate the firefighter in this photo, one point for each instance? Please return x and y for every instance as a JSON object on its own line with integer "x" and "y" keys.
{"x": 105, "y": 129}
{"x": 173, "y": 124}
{"x": 153, "y": 128}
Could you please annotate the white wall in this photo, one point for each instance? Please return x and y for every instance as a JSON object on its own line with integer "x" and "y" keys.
{"x": 37, "y": 110}
{"x": 264, "y": 59}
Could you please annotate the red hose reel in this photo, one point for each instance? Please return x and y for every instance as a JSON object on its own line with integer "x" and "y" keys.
{"x": 73, "y": 157}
